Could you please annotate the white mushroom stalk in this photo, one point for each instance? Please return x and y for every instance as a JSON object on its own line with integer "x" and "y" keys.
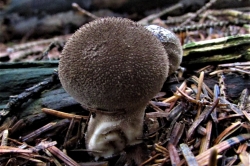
{"x": 110, "y": 133}
{"x": 113, "y": 66}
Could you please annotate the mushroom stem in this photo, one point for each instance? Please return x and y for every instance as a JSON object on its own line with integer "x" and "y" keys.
{"x": 108, "y": 134}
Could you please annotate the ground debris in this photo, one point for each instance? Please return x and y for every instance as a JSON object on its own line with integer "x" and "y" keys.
{"x": 200, "y": 117}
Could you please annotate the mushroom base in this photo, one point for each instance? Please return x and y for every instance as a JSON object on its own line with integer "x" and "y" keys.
{"x": 109, "y": 133}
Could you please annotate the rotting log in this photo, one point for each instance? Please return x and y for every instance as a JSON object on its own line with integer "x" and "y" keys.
{"x": 221, "y": 50}
{"x": 56, "y": 98}
{"x": 16, "y": 77}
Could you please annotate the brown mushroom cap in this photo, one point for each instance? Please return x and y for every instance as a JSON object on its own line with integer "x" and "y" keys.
{"x": 112, "y": 64}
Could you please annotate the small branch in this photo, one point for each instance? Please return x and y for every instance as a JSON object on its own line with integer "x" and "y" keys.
{"x": 150, "y": 18}
{"x": 209, "y": 4}
{"x": 84, "y": 12}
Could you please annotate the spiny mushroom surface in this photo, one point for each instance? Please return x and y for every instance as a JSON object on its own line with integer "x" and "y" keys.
{"x": 113, "y": 66}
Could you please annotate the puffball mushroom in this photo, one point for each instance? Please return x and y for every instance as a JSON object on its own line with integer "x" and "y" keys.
{"x": 113, "y": 67}
{"x": 171, "y": 44}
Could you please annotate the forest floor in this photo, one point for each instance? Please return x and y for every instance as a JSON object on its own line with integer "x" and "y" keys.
{"x": 200, "y": 117}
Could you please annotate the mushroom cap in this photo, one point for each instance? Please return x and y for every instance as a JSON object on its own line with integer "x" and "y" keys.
{"x": 112, "y": 64}
{"x": 171, "y": 44}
